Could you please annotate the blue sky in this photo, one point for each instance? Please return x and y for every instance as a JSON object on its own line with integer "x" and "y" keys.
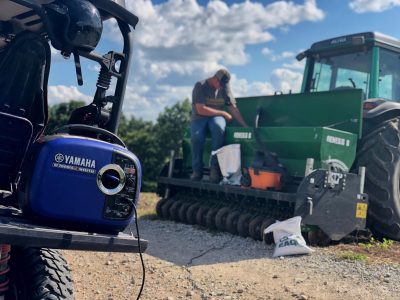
{"x": 178, "y": 42}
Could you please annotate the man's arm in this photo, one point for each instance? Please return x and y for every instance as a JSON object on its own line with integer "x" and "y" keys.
{"x": 204, "y": 110}
{"x": 237, "y": 115}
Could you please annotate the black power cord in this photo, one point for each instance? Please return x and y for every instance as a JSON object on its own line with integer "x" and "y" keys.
{"x": 140, "y": 252}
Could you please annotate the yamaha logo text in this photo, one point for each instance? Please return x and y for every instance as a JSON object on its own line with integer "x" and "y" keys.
{"x": 74, "y": 163}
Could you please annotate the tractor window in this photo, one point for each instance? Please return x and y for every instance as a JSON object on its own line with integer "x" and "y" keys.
{"x": 389, "y": 75}
{"x": 341, "y": 71}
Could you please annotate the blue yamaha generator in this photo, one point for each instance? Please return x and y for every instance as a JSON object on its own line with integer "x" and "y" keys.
{"x": 75, "y": 187}
{"x": 80, "y": 182}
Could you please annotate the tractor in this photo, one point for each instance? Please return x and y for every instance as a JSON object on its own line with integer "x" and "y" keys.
{"x": 335, "y": 147}
{"x": 77, "y": 187}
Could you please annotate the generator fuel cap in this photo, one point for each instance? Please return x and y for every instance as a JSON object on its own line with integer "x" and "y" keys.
{"x": 111, "y": 179}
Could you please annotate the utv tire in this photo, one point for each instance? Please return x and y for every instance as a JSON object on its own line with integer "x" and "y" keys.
{"x": 380, "y": 154}
{"x": 39, "y": 274}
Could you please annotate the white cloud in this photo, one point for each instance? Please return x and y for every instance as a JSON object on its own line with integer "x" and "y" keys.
{"x": 147, "y": 104}
{"x": 295, "y": 64}
{"x": 61, "y": 93}
{"x": 178, "y": 42}
{"x": 363, "y": 6}
{"x": 282, "y": 56}
{"x": 285, "y": 80}
{"x": 266, "y": 51}
{"x": 181, "y": 36}
{"x": 241, "y": 87}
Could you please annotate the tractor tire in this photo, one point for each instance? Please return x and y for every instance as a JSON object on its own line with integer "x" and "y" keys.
{"x": 191, "y": 213}
{"x": 255, "y": 228}
{"x": 243, "y": 224}
{"x": 210, "y": 218}
{"x": 380, "y": 154}
{"x": 37, "y": 273}
{"x": 220, "y": 218}
{"x": 182, "y": 212}
{"x": 232, "y": 220}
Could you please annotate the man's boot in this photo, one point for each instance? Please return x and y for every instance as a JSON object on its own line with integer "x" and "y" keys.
{"x": 196, "y": 176}
{"x": 215, "y": 175}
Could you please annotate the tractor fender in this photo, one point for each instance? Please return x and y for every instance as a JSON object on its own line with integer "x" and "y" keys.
{"x": 382, "y": 109}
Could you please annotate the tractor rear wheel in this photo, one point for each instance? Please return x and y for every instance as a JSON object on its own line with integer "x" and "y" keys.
{"x": 380, "y": 154}
{"x": 39, "y": 274}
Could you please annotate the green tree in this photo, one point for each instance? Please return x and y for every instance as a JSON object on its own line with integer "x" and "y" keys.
{"x": 170, "y": 128}
{"x": 139, "y": 138}
{"x": 59, "y": 114}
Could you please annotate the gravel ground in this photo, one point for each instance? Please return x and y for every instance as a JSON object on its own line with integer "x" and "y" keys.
{"x": 185, "y": 262}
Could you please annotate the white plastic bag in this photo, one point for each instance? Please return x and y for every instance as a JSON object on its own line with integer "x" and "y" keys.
{"x": 229, "y": 163}
{"x": 288, "y": 238}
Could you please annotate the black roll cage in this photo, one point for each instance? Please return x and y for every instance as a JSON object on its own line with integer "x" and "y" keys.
{"x": 125, "y": 19}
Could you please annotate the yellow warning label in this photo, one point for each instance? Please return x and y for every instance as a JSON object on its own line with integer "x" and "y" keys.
{"x": 361, "y": 212}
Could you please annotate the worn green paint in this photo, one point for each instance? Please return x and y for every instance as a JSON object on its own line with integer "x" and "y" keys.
{"x": 374, "y": 82}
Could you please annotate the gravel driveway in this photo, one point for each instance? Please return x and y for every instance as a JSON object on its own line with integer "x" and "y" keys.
{"x": 185, "y": 262}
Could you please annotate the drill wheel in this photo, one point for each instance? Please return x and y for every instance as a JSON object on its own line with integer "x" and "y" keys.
{"x": 221, "y": 217}
{"x": 210, "y": 218}
{"x": 191, "y": 213}
{"x": 232, "y": 221}
{"x": 174, "y": 209}
{"x": 269, "y": 237}
{"x": 243, "y": 224}
{"x": 182, "y": 212}
{"x": 201, "y": 215}
{"x": 255, "y": 228}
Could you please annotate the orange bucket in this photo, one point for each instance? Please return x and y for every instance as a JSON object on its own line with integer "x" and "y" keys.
{"x": 265, "y": 179}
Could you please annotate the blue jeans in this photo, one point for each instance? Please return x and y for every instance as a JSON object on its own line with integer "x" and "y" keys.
{"x": 216, "y": 126}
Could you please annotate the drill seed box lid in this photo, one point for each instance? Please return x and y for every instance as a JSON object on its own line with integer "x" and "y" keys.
{"x": 82, "y": 181}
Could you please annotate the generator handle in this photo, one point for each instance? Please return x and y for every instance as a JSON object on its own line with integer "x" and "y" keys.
{"x": 70, "y": 127}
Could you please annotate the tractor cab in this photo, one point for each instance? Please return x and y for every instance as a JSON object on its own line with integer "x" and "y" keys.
{"x": 368, "y": 61}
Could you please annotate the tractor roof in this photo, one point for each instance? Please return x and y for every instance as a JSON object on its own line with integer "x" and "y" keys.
{"x": 351, "y": 41}
{"x": 357, "y": 39}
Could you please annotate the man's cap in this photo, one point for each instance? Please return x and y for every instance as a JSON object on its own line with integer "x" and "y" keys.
{"x": 223, "y": 76}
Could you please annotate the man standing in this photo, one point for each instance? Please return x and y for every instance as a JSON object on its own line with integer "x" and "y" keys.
{"x": 208, "y": 100}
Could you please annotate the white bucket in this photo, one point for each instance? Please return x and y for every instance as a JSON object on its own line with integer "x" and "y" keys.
{"x": 229, "y": 163}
